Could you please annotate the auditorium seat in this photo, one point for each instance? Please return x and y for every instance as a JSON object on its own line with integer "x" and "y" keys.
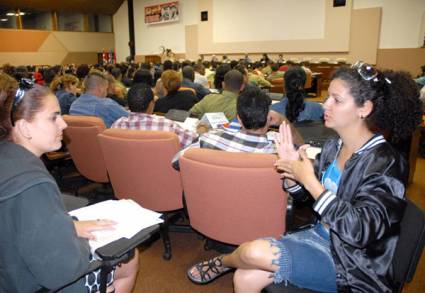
{"x": 233, "y": 197}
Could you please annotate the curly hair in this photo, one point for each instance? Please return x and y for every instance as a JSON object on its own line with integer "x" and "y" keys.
{"x": 397, "y": 109}
{"x": 294, "y": 87}
{"x": 63, "y": 82}
{"x": 8, "y": 86}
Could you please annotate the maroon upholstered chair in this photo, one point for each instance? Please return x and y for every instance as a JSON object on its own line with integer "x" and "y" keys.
{"x": 139, "y": 166}
{"x": 233, "y": 197}
{"x": 81, "y": 140}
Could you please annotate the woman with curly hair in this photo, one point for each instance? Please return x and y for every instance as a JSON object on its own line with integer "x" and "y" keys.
{"x": 358, "y": 186}
{"x": 65, "y": 88}
{"x": 293, "y": 105}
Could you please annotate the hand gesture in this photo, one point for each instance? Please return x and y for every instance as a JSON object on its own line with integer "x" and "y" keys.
{"x": 85, "y": 229}
{"x": 284, "y": 144}
{"x": 301, "y": 171}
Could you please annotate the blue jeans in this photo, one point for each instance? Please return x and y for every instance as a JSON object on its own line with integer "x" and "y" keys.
{"x": 304, "y": 259}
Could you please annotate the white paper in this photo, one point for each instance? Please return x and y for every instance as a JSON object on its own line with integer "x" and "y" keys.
{"x": 312, "y": 152}
{"x": 189, "y": 124}
{"x": 214, "y": 119}
{"x": 129, "y": 216}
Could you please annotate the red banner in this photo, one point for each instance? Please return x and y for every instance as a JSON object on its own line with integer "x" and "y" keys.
{"x": 161, "y": 13}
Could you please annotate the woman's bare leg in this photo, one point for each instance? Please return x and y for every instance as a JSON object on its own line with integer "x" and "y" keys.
{"x": 251, "y": 281}
{"x": 125, "y": 275}
{"x": 257, "y": 254}
{"x": 254, "y": 255}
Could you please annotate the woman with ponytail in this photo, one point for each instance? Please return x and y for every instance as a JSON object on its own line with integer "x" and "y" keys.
{"x": 293, "y": 105}
{"x": 358, "y": 185}
{"x": 41, "y": 246}
{"x": 65, "y": 88}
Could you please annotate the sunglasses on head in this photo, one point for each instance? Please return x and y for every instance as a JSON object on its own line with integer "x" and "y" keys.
{"x": 25, "y": 84}
{"x": 367, "y": 71}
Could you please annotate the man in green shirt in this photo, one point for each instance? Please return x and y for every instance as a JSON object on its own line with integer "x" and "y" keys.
{"x": 275, "y": 72}
{"x": 258, "y": 80}
{"x": 225, "y": 101}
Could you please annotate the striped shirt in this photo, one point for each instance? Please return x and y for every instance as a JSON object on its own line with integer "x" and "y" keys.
{"x": 143, "y": 121}
{"x": 231, "y": 141}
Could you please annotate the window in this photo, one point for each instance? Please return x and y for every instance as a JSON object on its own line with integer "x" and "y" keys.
{"x": 70, "y": 22}
{"x": 36, "y": 20}
{"x": 7, "y": 17}
{"x": 100, "y": 23}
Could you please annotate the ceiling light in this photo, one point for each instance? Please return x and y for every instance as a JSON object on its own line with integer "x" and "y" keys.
{"x": 3, "y": 19}
{"x": 21, "y": 13}
{"x": 10, "y": 14}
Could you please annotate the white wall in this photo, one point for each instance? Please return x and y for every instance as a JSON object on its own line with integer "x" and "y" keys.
{"x": 401, "y": 25}
{"x": 245, "y": 21}
{"x": 120, "y": 20}
{"x": 149, "y": 37}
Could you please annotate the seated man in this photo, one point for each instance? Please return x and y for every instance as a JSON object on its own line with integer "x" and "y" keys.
{"x": 275, "y": 72}
{"x": 253, "y": 108}
{"x": 94, "y": 102}
{"x": 141, "y": 103}
{"x": 223, "y": 102}
{"x": 189, "y": 81}
{"x": 200, "y": 75}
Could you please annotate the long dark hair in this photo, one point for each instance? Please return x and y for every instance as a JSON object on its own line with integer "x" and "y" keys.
{"x": 397, "y": 109}
{"x": 294, "y": 88}
{"x": 219, "y": 75}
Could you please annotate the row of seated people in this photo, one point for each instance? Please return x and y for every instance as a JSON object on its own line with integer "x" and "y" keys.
{"x": 68, "y": 85}
{"x": 229, "y": 82}
{"x": 339, "y": 182}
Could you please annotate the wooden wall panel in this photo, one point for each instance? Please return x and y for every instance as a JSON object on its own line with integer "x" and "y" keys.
{"x": 35, "y": 58}
{"x": 364, "y": 34}
{"x": 22, "y": 47}
{"x": 52, "y": 44}
{"x": 409, "y": 59}
{"x": 80, "y": 58}
{"x": 21, "y": 40}
{"x": 85, "y": 42}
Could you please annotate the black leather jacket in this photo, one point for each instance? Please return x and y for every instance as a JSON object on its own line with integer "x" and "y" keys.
{"x": 364, "y": 215}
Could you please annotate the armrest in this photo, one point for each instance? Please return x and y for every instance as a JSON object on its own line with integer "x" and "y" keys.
{"x": 113, "y": 254}
{"x": 120, "y": 247}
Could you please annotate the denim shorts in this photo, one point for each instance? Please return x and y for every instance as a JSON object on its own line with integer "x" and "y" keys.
{"x": 304, "y": 260}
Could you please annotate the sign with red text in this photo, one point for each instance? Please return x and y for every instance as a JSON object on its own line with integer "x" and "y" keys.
{"x": 162, "y": 13}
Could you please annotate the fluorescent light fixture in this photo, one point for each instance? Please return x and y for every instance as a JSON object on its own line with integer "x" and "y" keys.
{"x": 3, "y": 19}
{"x": 10, "y": 14}
{"x": 21, "y": 13}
